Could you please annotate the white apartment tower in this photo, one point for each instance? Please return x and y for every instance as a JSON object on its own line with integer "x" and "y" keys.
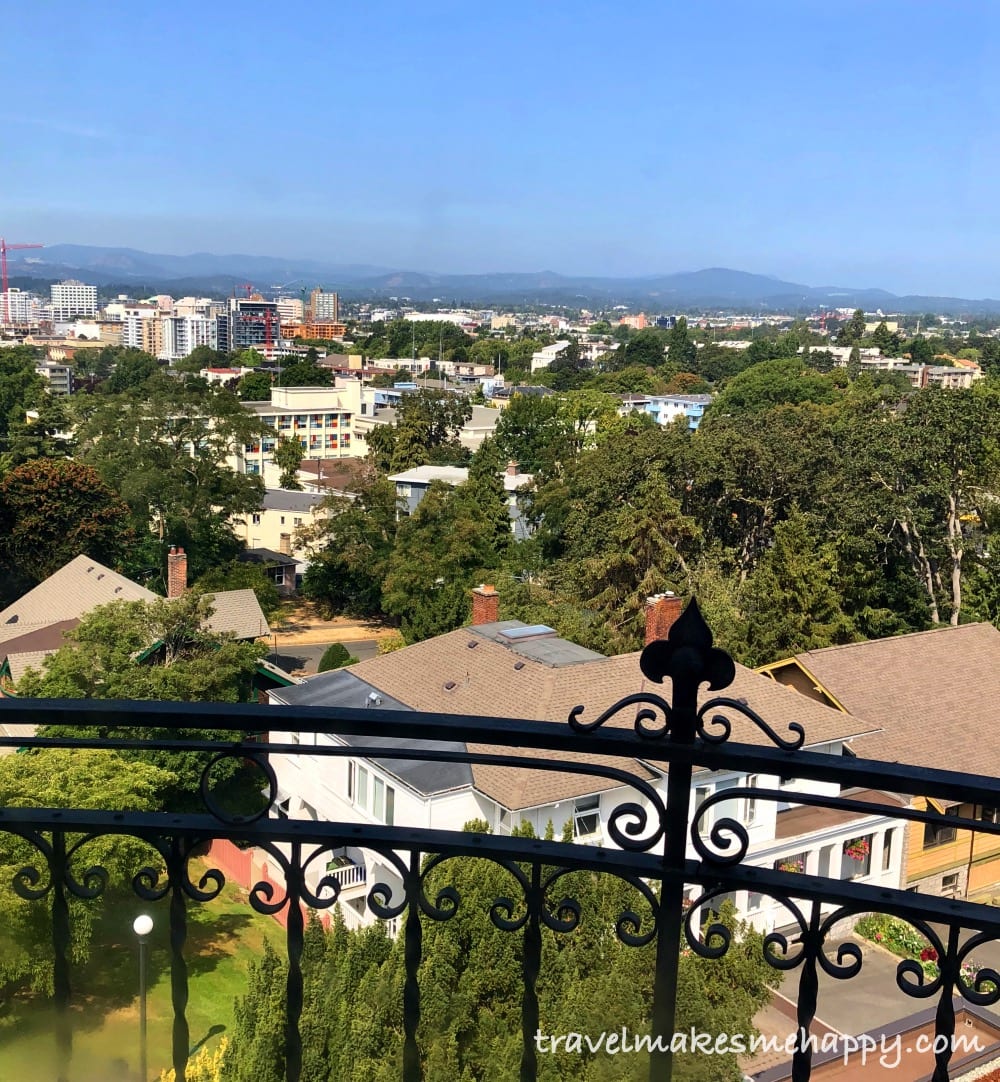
{"x": 18, "y": 307}
{"x": 183, "y": 334}
{"x": 71, "y": 299}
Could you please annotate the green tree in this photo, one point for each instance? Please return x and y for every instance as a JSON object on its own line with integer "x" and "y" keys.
{"x": 353, "y": 547}
{"x": 644, "y": 348}
{"x": 921, "y": 351}
{"x": 163, "y": 448}
{"x": 771, "y": 383}
{"x": 288, "y": 452}
{"x": 77, "y": 778}
{"x": 132, "y": 367}
{"x": 791, "y": 601}
{"x": 20, "y": 386}
{"x": 441, "y": 551}
{"x": 335, "y": 656}
{"x": 532, "y": 431}
{"x": 854, "y": 330}
{"x": 681, "y": 350}
{"x": 52, "y": 510}
{"x": 426, "y": 430}
{"x": 254, "y": 387}
{"x": 882, "y": 337}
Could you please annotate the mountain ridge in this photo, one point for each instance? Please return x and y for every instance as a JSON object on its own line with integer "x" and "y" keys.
{"x": 710, "y": 287}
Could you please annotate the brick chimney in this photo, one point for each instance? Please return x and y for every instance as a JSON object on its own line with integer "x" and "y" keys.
{"x": 512, "y": 468}
{"x": 177, "y": 572}
{"x": 485, "y": 605}
{"x": 662, "y": 611}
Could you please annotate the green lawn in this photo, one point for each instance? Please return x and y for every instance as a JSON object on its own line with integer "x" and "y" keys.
{"x": 223, "y": 936}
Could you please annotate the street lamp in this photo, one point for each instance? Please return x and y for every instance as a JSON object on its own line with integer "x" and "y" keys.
{"x": 142, "y": 926}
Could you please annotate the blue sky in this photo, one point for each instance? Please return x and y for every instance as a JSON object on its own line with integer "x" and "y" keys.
{"x": 825, "y": 142}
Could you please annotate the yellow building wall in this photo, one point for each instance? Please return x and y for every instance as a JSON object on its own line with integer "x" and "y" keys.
{"x": 982, "y": 851}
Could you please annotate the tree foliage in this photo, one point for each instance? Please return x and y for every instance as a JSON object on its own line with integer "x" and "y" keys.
{"x": 51, "y": 510}
{"x": 471, "y": 985}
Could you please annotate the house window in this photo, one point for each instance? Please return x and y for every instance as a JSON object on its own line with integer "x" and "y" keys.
{"x": 701, "y": 794}
{"x": 750, "y": 803}
{"x": 403, "y": 490}
{"x": 255, "y": 519}
{"x": 282, "y": 520}
{"x": 949, "y": 883}
{"x": 296, "y": 521}
{"x": 754, "y": 901}
{"x": 856, "y": 859}
{"x": 989, "y": 815}
{"x": 503, "y": 820}
{"x": 586, "y": 817}
{"x": 794, "y": 862}
{"x": 887, "y": 850}
{"x": 939, "y": 833}
{"x": 370, "y": 793}
{"x": 279, "y": 576}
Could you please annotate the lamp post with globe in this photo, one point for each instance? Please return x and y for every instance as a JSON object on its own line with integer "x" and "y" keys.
{"x": 142, "y": 926}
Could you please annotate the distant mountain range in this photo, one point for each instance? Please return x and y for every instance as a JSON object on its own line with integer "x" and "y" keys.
{"x": 202, "y": 272}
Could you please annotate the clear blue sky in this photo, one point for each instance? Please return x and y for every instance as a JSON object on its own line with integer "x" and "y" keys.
{"x": 832, "y": 142}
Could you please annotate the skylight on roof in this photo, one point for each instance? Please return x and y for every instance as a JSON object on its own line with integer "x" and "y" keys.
{"x": 533, "y": 631}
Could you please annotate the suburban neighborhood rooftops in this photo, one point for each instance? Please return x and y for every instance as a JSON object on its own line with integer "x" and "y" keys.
{"x": 475, "y": 671}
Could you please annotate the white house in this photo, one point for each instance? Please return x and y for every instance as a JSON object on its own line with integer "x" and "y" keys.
{"x": 506, "y": 669}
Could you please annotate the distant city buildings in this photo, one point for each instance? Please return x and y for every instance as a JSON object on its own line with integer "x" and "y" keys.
{"x": 17, "y": 306}
{"x": 71, "y": 299}
{"x": 324, "y": 306}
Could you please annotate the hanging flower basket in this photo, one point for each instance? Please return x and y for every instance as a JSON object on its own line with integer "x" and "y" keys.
{"x": 858, "y": 849}
{"x": 791, "y": 866}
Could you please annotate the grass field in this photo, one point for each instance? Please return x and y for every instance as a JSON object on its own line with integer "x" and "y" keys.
{"x": 223, "y": 936}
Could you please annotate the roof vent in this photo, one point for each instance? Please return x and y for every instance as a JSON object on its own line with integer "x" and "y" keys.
{"x": 518, "y": 666}
{"x": 450, "y": 686}
{"x": 472, "y": 644}
{"x": 118, "y": 589}
{"x": 100, "y": 576}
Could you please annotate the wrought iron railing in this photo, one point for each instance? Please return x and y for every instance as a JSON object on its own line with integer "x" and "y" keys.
{"x": 649, "y": 849}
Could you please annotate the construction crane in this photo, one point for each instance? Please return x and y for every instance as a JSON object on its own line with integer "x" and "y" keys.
{"x": 248, "y": 286}
{"x": 4, "y": 249}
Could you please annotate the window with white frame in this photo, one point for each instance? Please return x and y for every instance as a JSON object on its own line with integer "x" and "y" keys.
{"x": 367, "y": 791}
{"x": 586, "y": 816}
{"x": 749, "y": 802}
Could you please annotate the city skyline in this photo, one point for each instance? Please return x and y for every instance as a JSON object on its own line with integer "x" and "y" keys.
{"x": 828, "y": 147}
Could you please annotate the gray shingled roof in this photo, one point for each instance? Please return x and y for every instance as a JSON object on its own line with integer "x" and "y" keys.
{"x": 237, "y": 612}
{"x": 542, "y": 679}
{"x": 68, "y": 594}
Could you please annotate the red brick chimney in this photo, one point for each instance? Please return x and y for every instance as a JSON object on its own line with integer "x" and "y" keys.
{"x": 512, "y": 468}
{"x": 662, "y": 611}
{"x": 485, "y": 605}
{"x": 177, "y": 572}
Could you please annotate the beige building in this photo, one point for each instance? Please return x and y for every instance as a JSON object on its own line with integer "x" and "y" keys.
{"x": 320, "y": 418}
{"x": 277, "y": 524}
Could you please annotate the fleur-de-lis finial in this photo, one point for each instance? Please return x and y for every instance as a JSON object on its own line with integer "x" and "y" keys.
{"x": 688, "y": 657}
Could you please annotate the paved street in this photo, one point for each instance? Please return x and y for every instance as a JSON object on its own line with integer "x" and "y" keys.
{"x": 305, "y": 656}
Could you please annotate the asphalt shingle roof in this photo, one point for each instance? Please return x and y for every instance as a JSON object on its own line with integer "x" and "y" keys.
{"x": 69, "y": 593}
{"x": 933, "y": 695}
{"x": 498, "y": 680}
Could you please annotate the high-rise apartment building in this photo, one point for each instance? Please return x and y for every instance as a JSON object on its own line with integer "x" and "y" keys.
{"x": 135, "y": 334}
{"x": 183, "y": 334}
{"x": 19, "y": 307}
{"x": 248, "y": 324}
{"x": 71, "y": 299}
{"x": 323, "y": 307}
{"x": 291, "y": 309}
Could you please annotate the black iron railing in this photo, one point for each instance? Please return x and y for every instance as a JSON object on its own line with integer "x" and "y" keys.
{"x": 660, "y": 844}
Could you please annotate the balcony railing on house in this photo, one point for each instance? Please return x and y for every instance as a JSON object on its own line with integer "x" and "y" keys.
{"x": 649, "y": 851}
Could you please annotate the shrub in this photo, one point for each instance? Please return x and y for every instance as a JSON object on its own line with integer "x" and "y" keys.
{"x": 335, "y": 656}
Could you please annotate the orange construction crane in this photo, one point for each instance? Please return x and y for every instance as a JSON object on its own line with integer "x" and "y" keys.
{"x": 4, "y": 249}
